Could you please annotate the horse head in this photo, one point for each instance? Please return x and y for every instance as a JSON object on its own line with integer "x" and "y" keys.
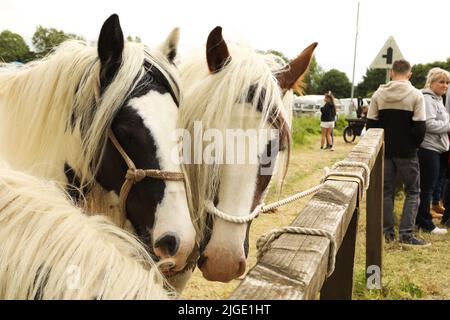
{"x": 136, "y": 163}
{"x": 250, "y": 94}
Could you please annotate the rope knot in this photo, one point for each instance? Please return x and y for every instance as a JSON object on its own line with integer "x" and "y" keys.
{"x": 136, "y": 175}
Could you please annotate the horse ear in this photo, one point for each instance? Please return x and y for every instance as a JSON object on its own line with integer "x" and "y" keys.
{"x": 110, "y": 48}
{"x": 297, "y": 67}
{"x": 217, "y": 53}
{"x": 170, "y": 47}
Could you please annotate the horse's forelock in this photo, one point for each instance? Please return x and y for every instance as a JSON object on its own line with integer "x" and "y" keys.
{"x": 129, "y": 75}
{"x": 212, "y": 98}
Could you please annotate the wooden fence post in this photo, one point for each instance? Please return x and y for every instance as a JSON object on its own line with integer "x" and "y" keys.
{"x": 339, "y": 286}
{"x": 374, "y": 223}
{"x": 296, "y": 265}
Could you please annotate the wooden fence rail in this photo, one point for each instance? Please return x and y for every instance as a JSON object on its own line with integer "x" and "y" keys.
{"x": 295, "y": 267}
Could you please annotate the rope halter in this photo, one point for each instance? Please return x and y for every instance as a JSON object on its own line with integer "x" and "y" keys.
{"x": 264, "y": 242}
{"x": 135, "y": 175}
{"x": 212, "y": 209}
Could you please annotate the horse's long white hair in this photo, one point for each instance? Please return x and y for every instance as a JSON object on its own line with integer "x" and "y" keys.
{"x": 50, "y": 250}
{"x": 51, "y": 111}
{"x": 215, "y": 100}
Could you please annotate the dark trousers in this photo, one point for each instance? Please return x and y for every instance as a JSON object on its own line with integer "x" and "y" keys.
{"x": 438, "y": 193}
{"x": 408, "y": 172}
{"x": 429, "y": 161}
{"x": 446, "y": 197}
{"x": 446, "y": 215}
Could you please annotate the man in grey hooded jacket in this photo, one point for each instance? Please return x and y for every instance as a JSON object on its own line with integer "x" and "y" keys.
{"x": 399, "y": 109}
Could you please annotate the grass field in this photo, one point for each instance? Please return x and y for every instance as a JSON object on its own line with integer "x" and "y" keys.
{"x": 418, "y": 273}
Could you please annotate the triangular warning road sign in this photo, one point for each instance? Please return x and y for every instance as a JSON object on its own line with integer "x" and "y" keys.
{"x": 387, "y": 55}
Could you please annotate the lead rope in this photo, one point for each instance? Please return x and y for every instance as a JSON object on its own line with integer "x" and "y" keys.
{"x": 263, "y": 243}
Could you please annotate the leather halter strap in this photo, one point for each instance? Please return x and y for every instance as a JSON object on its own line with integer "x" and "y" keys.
{"x": 135, "y": 175}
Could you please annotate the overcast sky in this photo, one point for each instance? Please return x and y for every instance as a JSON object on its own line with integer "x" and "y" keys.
{"x": 420, "y": 28}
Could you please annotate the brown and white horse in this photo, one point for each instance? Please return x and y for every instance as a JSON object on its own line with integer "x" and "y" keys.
{"x": 234, "y": 91}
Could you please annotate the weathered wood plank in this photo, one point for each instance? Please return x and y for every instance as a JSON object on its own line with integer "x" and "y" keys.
{"x": 340, "y": 284}
{"x": 296, "y": 265}
{"x": 374, "y": 212}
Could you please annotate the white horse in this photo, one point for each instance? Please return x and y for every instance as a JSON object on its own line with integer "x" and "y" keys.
{"x": 234, "y": 87}
{"x": 49, "y": 249}
{"x": 98, "y": 121}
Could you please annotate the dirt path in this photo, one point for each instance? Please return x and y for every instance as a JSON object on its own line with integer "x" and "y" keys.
{"x": 305, "y": 171}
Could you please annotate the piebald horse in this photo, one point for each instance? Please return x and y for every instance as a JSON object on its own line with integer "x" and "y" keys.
{"x": 100, "y": 118}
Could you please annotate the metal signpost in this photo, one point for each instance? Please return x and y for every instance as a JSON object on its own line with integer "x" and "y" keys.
{"x": 354, "y": 63}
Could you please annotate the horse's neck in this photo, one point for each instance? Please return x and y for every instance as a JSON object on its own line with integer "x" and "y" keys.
{"x": 43, "y": 157}
{"x": 37, "y": 140}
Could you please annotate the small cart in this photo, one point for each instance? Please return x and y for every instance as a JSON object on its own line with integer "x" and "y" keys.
{"x": 354, "y": 128}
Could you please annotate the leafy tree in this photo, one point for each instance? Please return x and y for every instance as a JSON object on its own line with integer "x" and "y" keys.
{"x": 45, "y": 39}
{"x": 279, "y": 54}
{"x": 420, "y": 71}
{"x": 335, "y": 81}
{"x": 135, "y": 39}
{"x": 371, "y": 81}
{"x": 374, "y": 77}
{"x": 313, "y": 77}
{"x": 12, "y": 47}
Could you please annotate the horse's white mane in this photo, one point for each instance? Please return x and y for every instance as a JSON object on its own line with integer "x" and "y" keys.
{"x": 55, "y": 100}
{"x": 213, "y": 99}
{"x": 51, "y": 250}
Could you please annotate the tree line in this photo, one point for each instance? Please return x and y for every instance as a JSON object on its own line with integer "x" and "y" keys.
{"x": 317, "y": 81}
{"x": 14, "y": 48}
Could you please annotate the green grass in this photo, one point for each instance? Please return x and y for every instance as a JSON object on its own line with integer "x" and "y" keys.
{"x": 305, "y": 127}
{"x": 408, "y": 273}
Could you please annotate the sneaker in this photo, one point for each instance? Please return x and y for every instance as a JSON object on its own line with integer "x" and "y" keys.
{"x": 438, "y": 231}
{"x": 411, "y": 240}
{"x": 331, "y": 149}
{"x": 389, "y": 237}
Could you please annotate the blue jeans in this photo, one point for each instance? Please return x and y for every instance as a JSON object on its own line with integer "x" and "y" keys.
{"x": 408, "y": 171}
{"x": 429, "y": 174}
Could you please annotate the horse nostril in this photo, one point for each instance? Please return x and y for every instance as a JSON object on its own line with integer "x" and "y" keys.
{"x": 168, "y": 243}
{"x": 201, "y": 261}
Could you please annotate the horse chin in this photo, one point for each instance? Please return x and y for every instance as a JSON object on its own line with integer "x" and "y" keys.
{"x": 226, "y": 276}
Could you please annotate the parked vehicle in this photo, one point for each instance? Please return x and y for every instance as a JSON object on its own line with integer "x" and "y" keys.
{"x": 311, "y": 104}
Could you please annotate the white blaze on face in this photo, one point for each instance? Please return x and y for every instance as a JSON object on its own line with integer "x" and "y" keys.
{"x": 160, "y": 114}
{"x": 236, "y": 192}
{"x": 224, "y": 253}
